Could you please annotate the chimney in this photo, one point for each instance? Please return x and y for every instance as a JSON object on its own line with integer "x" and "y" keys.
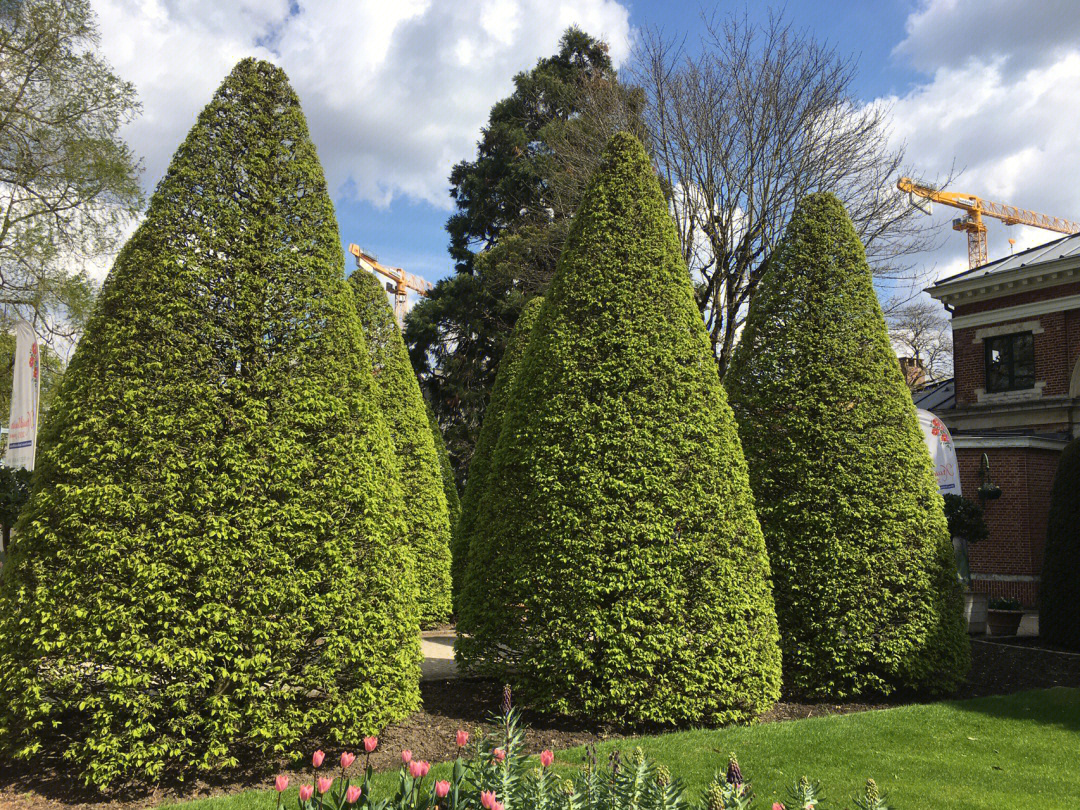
{"x": 914, "y": 372}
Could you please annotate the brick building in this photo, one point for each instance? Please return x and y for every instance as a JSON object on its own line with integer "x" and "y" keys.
{"x": 1015, "y": 397}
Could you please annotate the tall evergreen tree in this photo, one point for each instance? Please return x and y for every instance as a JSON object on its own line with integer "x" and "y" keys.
{"x": 212, "y": 562}
{"x": 453, "y": 500}
{"x": 631, "y": 581}
{"x": 478, "y": 484}
{"x": 1059, "y": 593}
{"x": 398, "y": 394}
{"x": 865, "y": 582}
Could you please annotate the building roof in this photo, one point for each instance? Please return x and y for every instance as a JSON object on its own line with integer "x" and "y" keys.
{"x": 937, "y": 396}
{"x": 1063, "y": 248}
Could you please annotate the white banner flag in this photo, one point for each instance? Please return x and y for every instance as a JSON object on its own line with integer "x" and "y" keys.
{"x": 942, "y": 452}
{"x": 25, "y": 385}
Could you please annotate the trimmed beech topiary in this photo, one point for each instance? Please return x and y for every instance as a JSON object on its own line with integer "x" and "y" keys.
{"x": 212, "y": 563}
{"x": 1059, "y": 593}
{"x": 631, "y": 581}
{"x": 863, "y": 572}
{"x": 446, "y": 470}
{"x": 478, "y": 484}
{"x": 402, "y": 404}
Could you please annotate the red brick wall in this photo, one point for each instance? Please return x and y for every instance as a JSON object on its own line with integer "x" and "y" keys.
{"x": 1017, "y": 520}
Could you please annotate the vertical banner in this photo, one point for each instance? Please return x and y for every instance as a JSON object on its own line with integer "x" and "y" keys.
{"x": 942, "y": 452}
{"x": 25, "y": 386}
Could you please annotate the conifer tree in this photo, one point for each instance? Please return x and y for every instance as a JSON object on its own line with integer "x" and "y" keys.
{"x": 212, "y": 563}
{"x": 1059, "y": 593}
{"x": 453, "y": 500}
{"x": 398, "y": 394}
{"x": 631, "y": 581}
{"x": 865, "y": 582}
{"x": 478, "y": 483}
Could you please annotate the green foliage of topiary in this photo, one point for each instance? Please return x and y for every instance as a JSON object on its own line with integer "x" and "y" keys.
{"x": 212, "y": 562}
{"x": 1059, "y": 593}
{"x": 631, "y": 580}
{"x": 865, "y": 582}
{"x": 453, "y": 500}
{"x": 479, "y": 483}
{"x": 402, "y": 405}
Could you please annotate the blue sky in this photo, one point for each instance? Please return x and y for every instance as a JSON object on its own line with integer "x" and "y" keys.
{"x": 396, "y": 93}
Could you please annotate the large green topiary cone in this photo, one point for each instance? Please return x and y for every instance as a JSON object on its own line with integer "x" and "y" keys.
{"x": 631, "y": 582}
{"x": 479, "y": 484}
{"x": 865, "y": 581}
{"x": 1059, "y": 593}
{"x": 402, "y": 405}
{"x": 446, "y": 470}
{"x": 212, "y": 564}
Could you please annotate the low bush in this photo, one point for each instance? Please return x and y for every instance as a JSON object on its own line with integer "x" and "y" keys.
{"x": 1059, "y": 595}
{"x": 496, "y": 774}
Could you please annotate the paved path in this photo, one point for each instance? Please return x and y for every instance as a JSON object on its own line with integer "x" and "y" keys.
{"x": 437, "y": 647}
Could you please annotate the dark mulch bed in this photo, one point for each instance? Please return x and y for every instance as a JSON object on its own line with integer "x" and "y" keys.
{"x": 999, "y": 666}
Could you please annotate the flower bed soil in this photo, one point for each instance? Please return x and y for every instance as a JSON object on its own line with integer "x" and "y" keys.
{"x": 997, "y": 668}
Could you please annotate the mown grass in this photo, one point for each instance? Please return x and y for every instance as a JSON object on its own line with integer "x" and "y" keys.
{"x": 1017, "y": 751}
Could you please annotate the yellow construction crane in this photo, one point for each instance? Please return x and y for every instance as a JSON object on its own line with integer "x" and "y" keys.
{"x": 977, "y": 208}
{"x": 400, "y": 282}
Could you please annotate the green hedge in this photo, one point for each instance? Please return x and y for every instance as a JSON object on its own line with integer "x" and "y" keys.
{"x": 212, "y": 564}
{"x": 479, "y": 484}
{"x": 631, "y": 581}
{"x": 863, "y": 570}
{"x": 446, "y": 470}
{"x": 1059, "y": 593}
{"x": 402, "y": 405}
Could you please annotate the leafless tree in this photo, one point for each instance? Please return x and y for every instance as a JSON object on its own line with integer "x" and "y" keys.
{"x": 745, "y": 127}
{"x": 921, "y": 331}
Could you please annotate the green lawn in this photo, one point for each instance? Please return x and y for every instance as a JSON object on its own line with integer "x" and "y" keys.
{"x": 1015, "y": 752}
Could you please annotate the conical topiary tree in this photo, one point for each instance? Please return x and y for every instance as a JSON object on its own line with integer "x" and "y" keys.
{"x": 453, "y": 500}
{"x": 865, "y": 583}
{"x": 478, "y": 483}
{"x": 212, "y": 563}
{"x": 402, "y": 405}
{"x": 631, "y": 581}
{"x": 1059, "y": 593}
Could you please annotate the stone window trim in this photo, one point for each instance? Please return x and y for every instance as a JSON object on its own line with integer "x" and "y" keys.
{"x": 1007, "y": 329}
{"x": 1035, "y": 392}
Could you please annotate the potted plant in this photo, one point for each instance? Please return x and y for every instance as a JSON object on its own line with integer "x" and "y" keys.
{"x": 1003, "y": 616}
{"x": 966, "y": 525}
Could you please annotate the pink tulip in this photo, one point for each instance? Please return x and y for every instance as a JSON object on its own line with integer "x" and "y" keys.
{"x": 778, "y": 806}
{"x": 370, "y": 743}
{"x": 462, "y": 738}
{"x": 497, "y": 806}
{"x": 425, "y": 766}
{"x": 415, "y": 770}
{"x": 347, "y": 759}
{"x": 352, "y": 794}
{"x": 324, "y": 784}
{"x": 546, "y": 758}
{"x": 281, "y": 783}
{"x": 305, "y": 792}
{"x": 499, "y": 754}
{"x": 406, "y": 757}
{"x": 442, "y": 787}
{"x": 487, "y": 798}
{"x": 317, "y": 759}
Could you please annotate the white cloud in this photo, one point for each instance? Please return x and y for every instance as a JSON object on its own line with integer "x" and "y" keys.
{"x": 395, "y": 92}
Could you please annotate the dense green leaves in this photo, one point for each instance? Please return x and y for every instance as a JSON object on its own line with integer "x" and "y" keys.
{"x": 1059, "y": 594}
{"x": 453, "y": 500}
{"x": 629, "y": 579}
{"x": 212, "y": 563}
{"x": 865, "y": 583}
{"x": 480, "y": 483}
{"x": 403, "y": 408}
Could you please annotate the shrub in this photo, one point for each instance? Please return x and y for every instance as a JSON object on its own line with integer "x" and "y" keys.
{"x": 402, "y": 405}
{"x": 446, "y": 470}
{"x": 1004, "y": 603}
{"x": 479, "y": 484}
{"x": 865, "y": 582}
{"x": 631, "y": 580}
{"x": 212, "y": 559}
{"x": 1059, "y": 593}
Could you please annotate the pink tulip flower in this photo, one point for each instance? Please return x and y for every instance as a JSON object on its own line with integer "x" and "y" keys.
{"x": 462, "y": 738}
{"x": 499, "y": 754}
{"x": 352, "y": 794}
{"x": 487, "y": 799}
{"x": 425, "y": 766}
{"x": 370, "y": 743}
{"x": 324, "y": 784}
{"x": 415, "y": 770}
{"x": 347, "y": 759}
{"x": 406, "y": 757}
{"x": 305, "y": 792}
{"x": 778, "y": 806}
{"x": 442, "y": 787}
{"x": 281, "y": 783}
{"x": 546, "y": 758}
{"x": 497, "y": 806}
{"x": 317, "y": 759}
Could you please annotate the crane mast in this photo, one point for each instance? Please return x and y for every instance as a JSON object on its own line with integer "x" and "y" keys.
{"x": 976, "y": 208}
{"x": 400, "y": 282}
